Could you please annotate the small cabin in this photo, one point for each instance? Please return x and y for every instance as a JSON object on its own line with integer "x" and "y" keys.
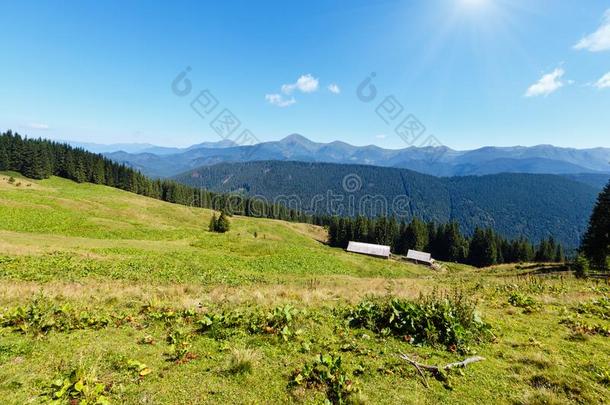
{"x": 369, "y": 249}
{"x": 418, "y": 257}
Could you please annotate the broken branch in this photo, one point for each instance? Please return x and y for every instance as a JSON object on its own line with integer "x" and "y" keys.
{"x": 439, "y": 369}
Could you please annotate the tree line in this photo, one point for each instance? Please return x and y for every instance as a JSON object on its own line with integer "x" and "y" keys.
{"x": 595, "y": 246}
{"x": 40, "y": 159}
{"x": 444, "y": 241}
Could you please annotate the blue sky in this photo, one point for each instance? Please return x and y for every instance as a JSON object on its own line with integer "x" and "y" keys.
{"x": 473, "y": 72}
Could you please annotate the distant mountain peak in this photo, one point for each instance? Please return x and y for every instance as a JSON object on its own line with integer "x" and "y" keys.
{"x": 296, "y": 138}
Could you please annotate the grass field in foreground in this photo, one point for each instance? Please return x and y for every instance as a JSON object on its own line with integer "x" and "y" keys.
{"x": 120, "y": 287}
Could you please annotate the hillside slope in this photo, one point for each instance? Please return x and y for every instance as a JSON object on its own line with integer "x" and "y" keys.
{"x": 146, "y": 239}
{"x": 104, "y": 292}
{"x": 530, "y": 205}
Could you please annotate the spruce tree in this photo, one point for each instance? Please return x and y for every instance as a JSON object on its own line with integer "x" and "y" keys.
{"x": 4, "y": 162}
{"x": 454, "y": 243}
{"x": 213, "y": 223}
{"x": 417, "y": 235}
{"x": 223, "y": 225}
{"x": 559, "y": 255}
{"x": 596, "y": 241}
{"x": 360, "y": 229}
{"x": 483, "y": 249}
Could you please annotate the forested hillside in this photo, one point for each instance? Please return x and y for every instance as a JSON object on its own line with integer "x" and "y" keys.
{"x": 40, "y": 159}
{"x": 515, "y": 205}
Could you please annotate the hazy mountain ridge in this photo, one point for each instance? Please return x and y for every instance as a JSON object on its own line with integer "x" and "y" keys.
{"x": 143, "y": 148}
{"x": 438, "y": 161}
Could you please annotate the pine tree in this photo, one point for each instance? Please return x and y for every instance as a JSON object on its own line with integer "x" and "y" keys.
{"x": 333, "y": 232}
{"x": 431, "y": 247}
{"x": 483, "y": 249}
{"x": 546, "y": 250}
{"x": 213, "y": 224}
{"x": 454, "y": 243}
{"x": 360, "y": 229}
{"x": 98, "y": 175}
{"x": 414, "y": 236}
{"x": 559, "y": 254}
{"x": 4, "y": 162}
{"x": 596, "y": 242}
{"x": 370, "y": 233}
{"x": 223, "y": 225}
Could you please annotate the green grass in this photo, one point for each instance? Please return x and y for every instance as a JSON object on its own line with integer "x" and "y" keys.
{"x": 92, "y": 252}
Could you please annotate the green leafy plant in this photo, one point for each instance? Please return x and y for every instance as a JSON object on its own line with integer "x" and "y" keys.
{"x": 77, "y": 388}
{"x": 326, "y": 371}
{"x": 584, "y": 328}
{"x": 141, "y": 369}
{"x": 529, "y": 305}
{"x": 179, "y": 346}
{"x": 41, "y": 316}
{"x": 147, "y": 340}
{"x": 166, "y": 314}
{"x": 278, "y": 321}
{"x": 599, "y": 307}
{"x": 219, "y": 325}
{"x": 436, "y": 319}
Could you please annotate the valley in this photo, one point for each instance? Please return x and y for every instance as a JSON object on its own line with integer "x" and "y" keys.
{"x": 514, "y": 204}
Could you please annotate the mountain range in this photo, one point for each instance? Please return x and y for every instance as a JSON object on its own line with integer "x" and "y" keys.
{"x": 514, "y": 204}
{"x": 437, "y": 161}
{"x": 143, "y": 148}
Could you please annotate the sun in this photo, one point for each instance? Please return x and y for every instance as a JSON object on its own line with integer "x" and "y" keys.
{"x": 474, "y": 7}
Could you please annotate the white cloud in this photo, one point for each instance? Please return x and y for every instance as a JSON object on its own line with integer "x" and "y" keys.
{"x": 334, "y": 88}
{"x": 305, "y": 84}
{"x": 279, "y": 100}
{"x": 600, "y": 39}
{"x": 380, "y": 136}
{"x": 549, "y": 83}
{"x": 37, "y": 125}
{"x": 604, "y": 82}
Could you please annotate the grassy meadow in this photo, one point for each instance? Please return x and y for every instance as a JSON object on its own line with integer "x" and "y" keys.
{"x": 110, "y": 297}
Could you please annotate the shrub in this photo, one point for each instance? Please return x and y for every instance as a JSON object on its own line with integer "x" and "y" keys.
{"x": 11, "y": 180}
{"x": 436, "y": 319}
